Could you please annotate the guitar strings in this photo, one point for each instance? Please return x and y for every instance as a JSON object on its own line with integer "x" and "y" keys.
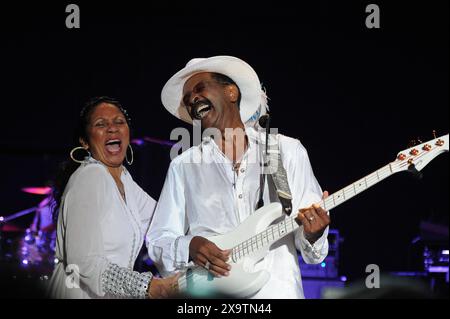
{"x": 290, "y": 221}
{"x": 369, "y": 180}
{"x": 374, "y": 177}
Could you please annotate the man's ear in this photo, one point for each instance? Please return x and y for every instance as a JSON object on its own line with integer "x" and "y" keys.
{"x": 83, "y": 143}
{"x": 233, "y": 93}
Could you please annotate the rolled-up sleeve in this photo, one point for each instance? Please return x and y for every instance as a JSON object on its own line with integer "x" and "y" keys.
{"x": 167, "y": 239}
{"x": 305, "y": 191}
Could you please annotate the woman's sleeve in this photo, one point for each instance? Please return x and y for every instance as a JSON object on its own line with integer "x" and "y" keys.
{"x": 123, "y": 282}
{"x": 84, "y": 208}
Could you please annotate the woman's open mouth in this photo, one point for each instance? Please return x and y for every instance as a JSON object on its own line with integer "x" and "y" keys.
{"x": 113, "y": 146}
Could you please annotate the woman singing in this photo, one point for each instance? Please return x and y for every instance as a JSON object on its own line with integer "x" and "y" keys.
{"x": 103, "y": 215}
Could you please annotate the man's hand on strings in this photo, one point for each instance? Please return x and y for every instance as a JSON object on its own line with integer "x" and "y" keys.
{"x": 314, "y": 220}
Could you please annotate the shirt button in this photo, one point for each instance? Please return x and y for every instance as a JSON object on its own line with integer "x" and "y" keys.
{"x": 240, "y": 196}
{"x": 242, "y": 170}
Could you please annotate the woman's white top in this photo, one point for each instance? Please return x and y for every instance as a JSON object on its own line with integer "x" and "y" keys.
{"x": 99, "y": 236}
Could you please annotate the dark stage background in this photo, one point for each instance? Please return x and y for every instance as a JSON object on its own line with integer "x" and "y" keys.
{"x": 353, "y": 96}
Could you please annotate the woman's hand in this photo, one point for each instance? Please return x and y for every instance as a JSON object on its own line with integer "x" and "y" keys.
{"x": 164, "y": 287}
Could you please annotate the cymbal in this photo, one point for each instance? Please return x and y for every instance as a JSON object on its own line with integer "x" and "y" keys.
{"x": 37, "y": 190}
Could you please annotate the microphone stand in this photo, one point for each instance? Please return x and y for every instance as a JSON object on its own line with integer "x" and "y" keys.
{"x": 4, "y": 220}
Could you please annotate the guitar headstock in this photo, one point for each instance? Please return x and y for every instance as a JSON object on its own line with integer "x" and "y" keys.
{"x": 418, "y": 156}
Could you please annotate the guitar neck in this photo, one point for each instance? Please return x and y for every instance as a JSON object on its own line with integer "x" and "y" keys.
{"x": 357, "y": 187}
{"x": 288, "y": 225}
{"x": 350, "y": 191}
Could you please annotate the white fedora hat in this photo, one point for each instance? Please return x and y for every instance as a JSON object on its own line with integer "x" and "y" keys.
{"x": 253, "y": 99}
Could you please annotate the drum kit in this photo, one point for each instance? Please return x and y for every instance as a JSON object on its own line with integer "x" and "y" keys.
{"x": 29, "y": 250}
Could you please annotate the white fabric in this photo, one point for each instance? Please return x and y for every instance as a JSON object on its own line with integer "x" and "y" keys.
{"x": 200, "y": 200}
{"x": 96, "y": 227}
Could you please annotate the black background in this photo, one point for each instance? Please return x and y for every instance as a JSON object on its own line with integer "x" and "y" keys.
{"x": 353, "y": 96}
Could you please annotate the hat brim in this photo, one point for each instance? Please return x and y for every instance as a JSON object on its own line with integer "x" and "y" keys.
{"x": 239, "y": 71}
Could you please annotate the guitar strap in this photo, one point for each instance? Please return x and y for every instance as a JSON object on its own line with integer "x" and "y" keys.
{"x": 277, "y": 173}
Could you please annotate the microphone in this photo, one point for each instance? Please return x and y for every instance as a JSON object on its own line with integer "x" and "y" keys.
{"x": 263, "y": 120}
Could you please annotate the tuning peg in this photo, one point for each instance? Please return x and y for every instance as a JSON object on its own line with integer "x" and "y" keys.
{"x": 434, "y": 133}
{"x": 418, "y": 140}
{"x": 427, "y": 147}
{"x": 412, "y": 143}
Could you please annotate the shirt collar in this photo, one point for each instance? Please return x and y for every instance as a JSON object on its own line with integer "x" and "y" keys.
{"x": 208, "y": 143}
{"x": 90, "y": 160}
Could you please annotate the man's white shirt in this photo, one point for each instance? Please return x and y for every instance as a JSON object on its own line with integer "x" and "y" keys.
{"x": 204, "y": 196}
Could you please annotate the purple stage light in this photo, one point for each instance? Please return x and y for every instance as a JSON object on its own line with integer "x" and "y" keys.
{"x": 25, "y": 262}
{"x": 438, "y": 269}
{"x": 138, "y": 141}
{"x": 147, "y": 139}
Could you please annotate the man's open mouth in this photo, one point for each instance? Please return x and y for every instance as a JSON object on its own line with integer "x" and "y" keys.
{"x": 201, "y": 109}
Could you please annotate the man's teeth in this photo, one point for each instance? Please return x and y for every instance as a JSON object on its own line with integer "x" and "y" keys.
{"x": 202, "y": 110}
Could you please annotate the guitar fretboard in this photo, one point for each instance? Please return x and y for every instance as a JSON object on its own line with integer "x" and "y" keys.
{"x": 288, "y": 225}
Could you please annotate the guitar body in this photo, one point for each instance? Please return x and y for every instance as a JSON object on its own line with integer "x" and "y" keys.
{"x": 243, "y": 281}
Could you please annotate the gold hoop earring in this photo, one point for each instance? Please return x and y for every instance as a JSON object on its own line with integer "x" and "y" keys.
{"x": 73, "y": 151}
{"x": 132, "y": 155}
